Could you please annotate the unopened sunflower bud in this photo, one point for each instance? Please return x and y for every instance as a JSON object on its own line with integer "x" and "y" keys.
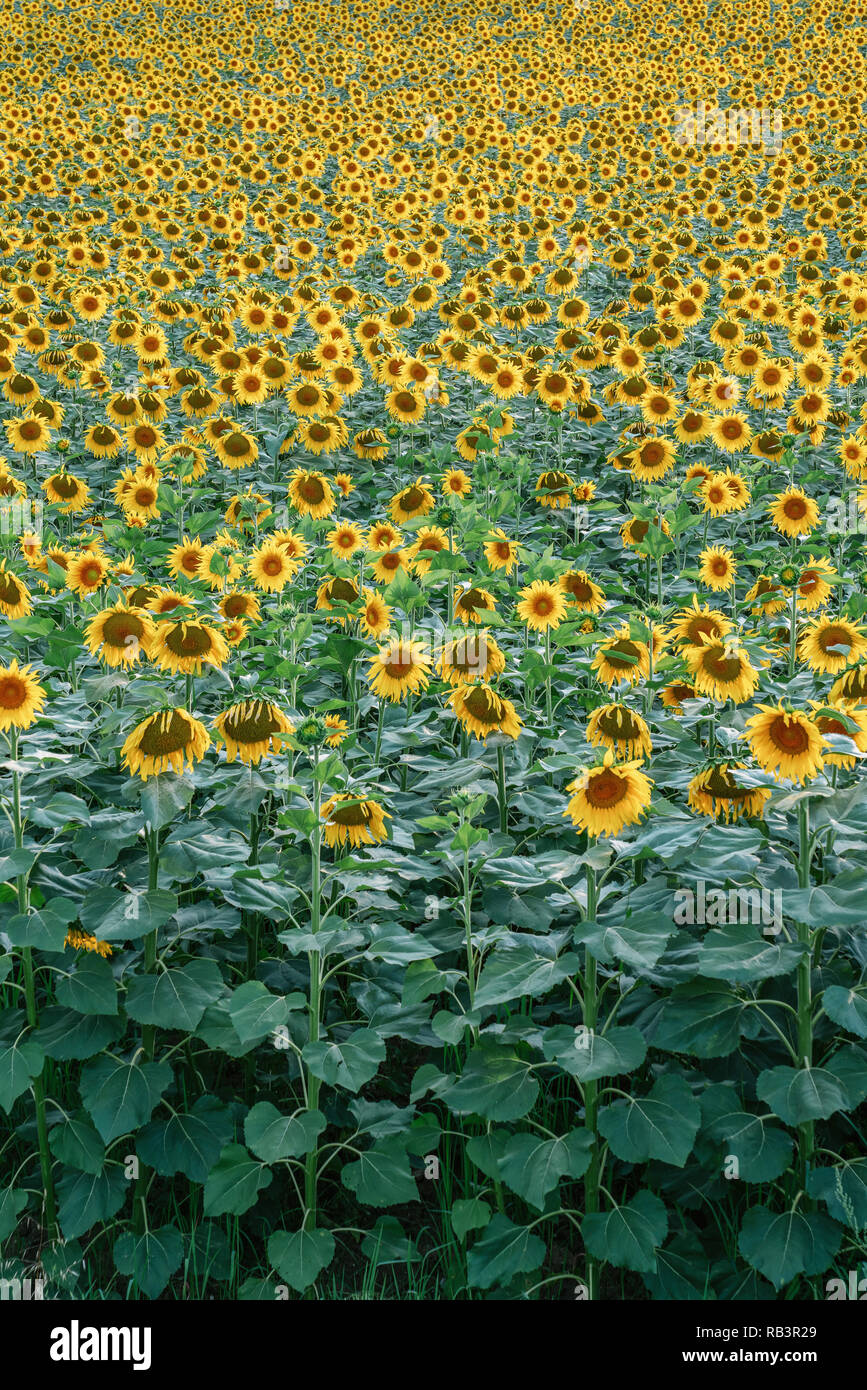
{"x": 311, "y": 732}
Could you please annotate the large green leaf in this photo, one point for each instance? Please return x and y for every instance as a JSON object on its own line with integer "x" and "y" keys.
{"x": 150, "y": 1258}
{"x": 532, "y": 1166}
{"x": 21, "y": 1059}
{"x": 848, "y": 1007}
{"x": 781, "y": 1245}
{"x": 740, "y": 954}
{"x": 843, "y": 1189}
{"x": 75, "y": 1142}
{"x": 763, "y": 1150}
{"x": 381, "y": 1176}
{"x": 188, "y": 1142}
{"x": 628, "y": 1236}
{"x": 349, "y": 1063}
{"x": 234, "y": 1182}
{"x": 520, "y": 972}
{"x": 120, "y": 1096}
{"x": 87, "y": 1198}
{"x": 299, "y": 1257}
{"x": 495, "y": 1084}
{"x": 112, "y": 916}
{"x": 273, "y": 1136}
{"x": 703, "y": 1018}
{"x": 660, "y": 1125}
{"x": 638, "y": 943}
{"x": 504, "y": 1251}
{"x": 591, "y": 1056}
{"x": 801, "y": 1094}
{"x": 90, "y": 988}
{"x": 174, "y": 998}
{"x": 255, "y": 1011}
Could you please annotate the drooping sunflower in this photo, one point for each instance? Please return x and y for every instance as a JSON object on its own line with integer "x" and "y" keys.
{"x": 333, "y": 591}
{"x": 15, "y": 601}
{"x": 120, "y": 634}
{"x": 621, "y": 729}
{"x": 768, "y": 595}
{"x": 794, "y": 513}
{"x": 184, "y": 559}
{"x": 554, "y": 488}
{"x": 311, "y": 493}
{"x": 170, "y": 739}
{"x": 786, "y": 742}
{"x": 22, "y": 698}
{"x": 722, "y": 669}
{"x": 852, "y": 685}
{"x": 339, "y": 730}
{"x": 851, "y": 715}
{"x": 251, "y": 729}
{"x": 353, "y": 820}
{"x": 471, "y": 603}
{"x": 401, "y": 667}
{"x": 474, "y": 657}
{"x": 429, "y": 542}
{"x": 542, "y": 605}
{"x": 586, "y": 595}
{"x": 829, "y": 645}
{"x": 608, "y": 797}
{"x": 718, "y": 567}
{"x": 674, "y": 694}
{"x": 482, "y": 711}
{"x": 716, "y": 792}
{"x": 415, "y": 500}
{"x": 186, "y": 646}
{"x": 66, "y": 491}
{"x": 622, "y": 659}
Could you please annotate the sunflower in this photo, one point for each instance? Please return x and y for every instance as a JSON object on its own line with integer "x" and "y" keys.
{"x": 21, "y": 697}
{"x": 185, "y": 646}
{"x": 716, "y": 498}
{"x": 718, "y": 567}
{"x": 123, "y": 634}
{"x": 674, "y": 694}
{"x": 692, "y": 624}
{"x": 722, "y": 670}
{"x": 383, "y": 536}
{"x": 827, "y": 724}
{"x": 412, "y": 501}
{"x": 768, "y": 595}
{"x": 620, "y": 729}
{"x": 28, "y": 436}
{"x": 311, "y": 493}
{"x": 829, "y": 645}
{"x": 69, "y": 493}
{"x": 456, "y": 483}
{"x": 794, "y": 513}
{"x": 813, "y": 588}
{"x": 542, "y": 605}
{"x": 339, "y": 730}
{"x": 634, "y": 531}
{"x": 333, "y": 591}
{"x": 15, "y": 601}
{"x": 185, "y": 559}
{"x": 370, "y": 444}
{"x": 240, "y": 604}
{"x": 554, "y": 488}
{"x": 500, "y": 552}
{"x": 622, "y": 659}
{"x": 716, "y": 792}
{"x": 470, "y": 658}
{"x": 652, "y": 459}
{"x": 400, "y": 668}
{"x": 252, "y": 729}
{"x": 169, "y": 739}
{"x": 376, "y": 615}
{"x": 270, "y": 568}
{"x": 345, "y": 539}
{"x": 387, "y": 565}
{"x": 586, "y": 595}
{"x": 731, "y": 432}
{"x": 608, "y": 797}
{"x": 481, "y": 711}
{"x": 87, "y": 572}
{"x": 786, "y": 742}
{"x": 353, "y": 820}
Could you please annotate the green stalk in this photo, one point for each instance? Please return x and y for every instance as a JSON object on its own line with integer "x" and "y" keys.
{"x": 806, "y": 1131}
{"x": 23, "y": 894}
{"x": 468, "y": 926}
{"x": 793, "y": 620}
{"x": 549, "y": 703}
{"x": 315, "y": 961}
{"x": 148, "y": 1032}
{"x": 591, "y": 1088}
{"x": 501, "y": 788}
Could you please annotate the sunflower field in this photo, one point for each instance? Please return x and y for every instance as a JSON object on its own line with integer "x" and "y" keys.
{"x": 433, "y": 649}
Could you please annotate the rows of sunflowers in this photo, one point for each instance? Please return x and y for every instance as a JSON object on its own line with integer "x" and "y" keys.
{"x": 432, "y": 578}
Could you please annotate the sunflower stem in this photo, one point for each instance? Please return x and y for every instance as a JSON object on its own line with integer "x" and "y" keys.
{"x": 793, "y": 631}
{"x": 23, "y": 895}
{"x": 591, "y": 1088}
{"x": 806, "y": 1131}
{"x": 315, "y": 962}
{"x": 501, "y": 788}
{"x": 148, "y": 1032}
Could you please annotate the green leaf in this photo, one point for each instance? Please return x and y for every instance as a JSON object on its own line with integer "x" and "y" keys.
{"x": 740, "y": 955}
{"x": 843, "y": 1189}
{"x": 67, "y": 1036}
{"x": 84, "y": 1199}
{"x": 301, "y": 1256}
{"x": 76, "y": 1143}
{"x": 90, "y": 988}
{"x": 234, "y": 1183}
{"x": 660, "y": 1125}
{"x": 495, "y": 1084}
{"x": 20, "y": 1061}
{"x": 44, "y": 929}
{"x": 255, "y": 1011}
{"x": 174, "y": 998}
{"x": 469, "y": 1214}
{"x": 502, "y": 1252}
{"x": 188, "y": 1142}
{"x": 350, "y": 1063}
{"x": 120, "y": 1096}
{"x": 381, "y": 1175}
{"x": 591, "y": 1056}
{"x": 113, "y": 916}
{"x": 516, "y": 972}
{"x": 801, "y": 1094}
{"x": 533, "y": 1166}
{"x": 150, "y": 1259}
{"x": 164, "y": 797}
{"x": 762, "y": 1149}
{"x": 637, "y": 946}
{"x": 628, "y": 1236}
{"x": 847, "y": 1007}
{"x": 702, "y": 1018}
{"x": 11, "y": 1206}
{"x": 273, "y": 1136}
{"x": 781, "y": 1245}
